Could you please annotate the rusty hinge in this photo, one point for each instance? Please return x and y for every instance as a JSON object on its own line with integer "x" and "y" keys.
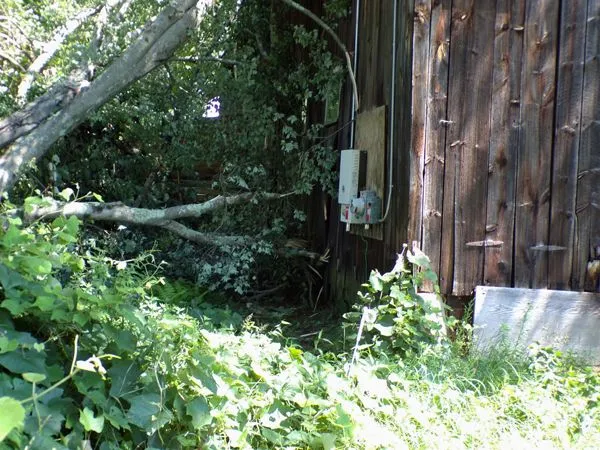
{"x": 486, "y": 243}
{"x": 547, "y": 248}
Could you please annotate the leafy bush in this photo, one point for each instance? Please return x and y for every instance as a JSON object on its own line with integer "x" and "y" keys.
{"x": 396, "y": 319}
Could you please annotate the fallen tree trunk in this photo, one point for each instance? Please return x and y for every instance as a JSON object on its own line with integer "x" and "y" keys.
{"x": 163, "y": 218}
{"x": 156, "y": 44}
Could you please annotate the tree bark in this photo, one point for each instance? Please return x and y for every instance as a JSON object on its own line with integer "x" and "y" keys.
{"x": 163, "y": 218}
{"x": 156, "y": 44}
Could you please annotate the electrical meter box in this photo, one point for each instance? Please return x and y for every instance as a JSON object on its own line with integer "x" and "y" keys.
{"x": 357, "y": 204}
{"x": 353, "y": 174}
{"x": 365, "y": 209}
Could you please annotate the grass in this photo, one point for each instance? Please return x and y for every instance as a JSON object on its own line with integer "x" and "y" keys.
{"x": 444, "y": 398}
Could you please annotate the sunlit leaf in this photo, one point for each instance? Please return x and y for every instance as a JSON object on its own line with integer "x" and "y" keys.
{"x": 66, "y": 194}
{"x": 12, "y": 416}
{"x": 91, "y": 422}
{"x": 33, "y": 377}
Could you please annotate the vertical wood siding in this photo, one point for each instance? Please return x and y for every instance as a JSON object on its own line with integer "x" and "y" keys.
{"x": 504, "y": 142}
{"x": 435, "y": 130}
{"x": 534, "y": 159}
{"x": 497, "y": 153}
{"x": 566, "y": 146}
{"x": 515, "y": 170}
{"x": 352, "y": 256}
{"x": 587, "y": 223}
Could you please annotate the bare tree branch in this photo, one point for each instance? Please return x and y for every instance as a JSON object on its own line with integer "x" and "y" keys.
{"x": 118, "y": 212}
{"x": 163, "y": 218}
{"x": 49, "y": 50}
{"x": 335, "y": 37}
{"x": 124, "y": 7}
{"x": 212, "y": 239}
{"x": 12, "y": 60}
{"x": 192, "y": 60}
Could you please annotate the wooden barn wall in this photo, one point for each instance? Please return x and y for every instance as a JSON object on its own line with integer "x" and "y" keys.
{"x": 352, "y": 257}
{"x": 505, "y": 150}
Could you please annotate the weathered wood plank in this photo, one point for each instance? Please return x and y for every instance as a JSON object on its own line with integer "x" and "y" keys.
{"x": 504, "y": 141}
{"x": 369, "y": 50}
{"x": 420, "y": 73}
{"x": 535, "y": 149}
{"x": 435, "y": 133}
{"x": 568, "y": 321}
{"x": 402, "y": 125}
{"x": 571, "y": 55}
{"x": 371, "y": 135}
{"x": 470, "y": 83}
{"x": 588, "y": 179}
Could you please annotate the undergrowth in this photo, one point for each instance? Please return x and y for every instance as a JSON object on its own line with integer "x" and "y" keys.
{"x": 105, "y": 354}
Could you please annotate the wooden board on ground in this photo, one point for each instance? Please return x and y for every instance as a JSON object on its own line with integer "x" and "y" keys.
{"x": 567, "y": 321}
{"x": 371, "y": 136}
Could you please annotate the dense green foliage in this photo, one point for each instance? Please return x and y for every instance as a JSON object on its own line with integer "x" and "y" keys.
{"x": 235, "y": 110}
{"x": 107, "y": 353}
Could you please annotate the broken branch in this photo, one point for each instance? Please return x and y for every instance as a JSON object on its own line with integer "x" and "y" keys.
{"x": 336, "y": 39}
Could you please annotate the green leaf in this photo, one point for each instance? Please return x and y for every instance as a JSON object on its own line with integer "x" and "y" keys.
{"x": 418, "y": 258}
{"x": 90, "y": 422}
{"x": 98, "y": 197}
{"x": 37, "y": 265}
{"x": 384, "y": 330}
{"x": 272, "y": 420}
{"x": 13, "y": 416}
{"x": 200, "y": 412}
{"x": 328, "y": 441}
{"x": 116, "y": 418}
{"x": 67, "y": 194}
{"x": 124, "y": 375}
{"x": 8, "y": 345}
{"x": 66, "y": 237}
{"x": 144, "y": 409}
{"x": 31, "y": 202}
{"x": 33, "y": 377}
{"x": 295, "y": 353}
{"x": 375, "y": 281}
{"x": 44, "y": 303}
{"x": 15, "y": 306}
{"x": 344, "y": 420}
{"x": 72, "y": 225}
{"x": 124, "y": 339}
{"x": 11, "y": 279}
{"x": 14, "y": 236}
{"x": 23, "y": 361}
{"x": 272, "y": 436}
